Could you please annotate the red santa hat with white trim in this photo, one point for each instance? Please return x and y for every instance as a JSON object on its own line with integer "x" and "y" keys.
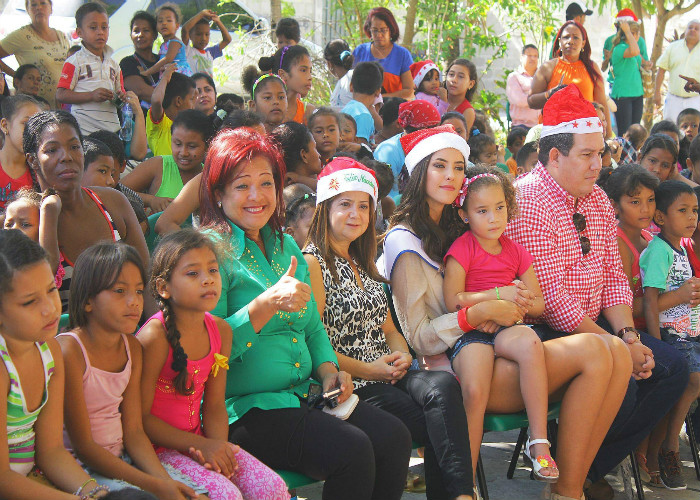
{"x": 422, "y": 143}
{"x": 420, "y": 70}
{"x": 343, "y": 174}
{"x": 626, "y": 15}
{"x": 567, "y": 112}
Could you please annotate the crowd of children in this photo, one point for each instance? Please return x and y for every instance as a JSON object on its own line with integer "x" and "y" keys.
{"x": 147, "y": 411}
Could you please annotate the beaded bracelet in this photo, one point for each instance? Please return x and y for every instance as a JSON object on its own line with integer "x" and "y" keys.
{"x": 498, "y": 295}
{"x": 93, "y": 492}
{"x": 79, "y": 491}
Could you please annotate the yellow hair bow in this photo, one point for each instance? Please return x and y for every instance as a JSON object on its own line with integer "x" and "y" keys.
{"x": 220, "y": 361}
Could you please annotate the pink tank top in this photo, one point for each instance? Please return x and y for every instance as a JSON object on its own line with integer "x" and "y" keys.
{"x": 180, "y": 410}
{"x": 103, "y": 395}
{"x": 637, "y": 290}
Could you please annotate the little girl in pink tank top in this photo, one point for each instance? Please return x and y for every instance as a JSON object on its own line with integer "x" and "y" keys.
{"x": 103, "y": 417}
{"x": 184, "y": 376}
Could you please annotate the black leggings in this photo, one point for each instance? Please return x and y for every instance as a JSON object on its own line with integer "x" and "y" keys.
{"x": 629, "y": 111}
{"x": 364, "y": 457}
{"x": 430, "y": 404}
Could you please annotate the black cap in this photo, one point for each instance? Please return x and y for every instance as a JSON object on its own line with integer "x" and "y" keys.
{"x": 576, "y": 9}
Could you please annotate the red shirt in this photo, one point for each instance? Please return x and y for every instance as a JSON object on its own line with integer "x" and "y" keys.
{"x": 573, "y": 286}
{"x": 10, "y": 186}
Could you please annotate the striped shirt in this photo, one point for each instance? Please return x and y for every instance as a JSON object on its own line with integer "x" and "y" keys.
{"x": 20, "y": 421}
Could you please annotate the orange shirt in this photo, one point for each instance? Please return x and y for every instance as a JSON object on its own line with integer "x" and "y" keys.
{"x": 299, "y": 116}
{"x": 573, "y": 73}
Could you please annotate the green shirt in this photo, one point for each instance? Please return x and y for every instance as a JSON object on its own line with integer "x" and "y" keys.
{"x": 270, "y": 369}
{"x": 608, "y": 45}
{"x": 628, "y": 79}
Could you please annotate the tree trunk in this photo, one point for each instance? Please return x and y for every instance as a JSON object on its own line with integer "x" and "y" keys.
{"x": 410, "y": 29}
{"x": 275, "y": 11}
{"x": 639, "y": 12}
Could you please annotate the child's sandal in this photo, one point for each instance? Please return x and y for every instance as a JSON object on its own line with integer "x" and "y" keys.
{"x": 542, "y": 462}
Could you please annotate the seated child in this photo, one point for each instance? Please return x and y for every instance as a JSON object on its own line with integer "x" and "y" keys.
{"x": 98, "y": 162}
{"x": 229, "y": 102}
{"x": 103, "y": 418}
{"x": 426, "y": 78}
{"x": 160, "y": 179}
{"x": 692, "y": 162}
{"x": 483, "y": 150}
{"x": 172, "y": 50}
{"x": 27, "y": 80}
{"x": 514, "y": 141}
{"x": 14, "y": 172}
{"x": 293, "y": 65}
{"x": 287, "y": 32}
{"x": 324, "y": 125}
{"x": 28, "y": 347}
{"x": 91, "y": 80}
{"x": 671, "y": 310}
{"x": 461, "y": 81}
{"x": 174, "y": 93}
{"x": 631, "y": 192}
{"x": 483, "y": 266}
{"x": 389, "y": 112}
{"x": 526, "y": 159}
{"x": 669, "y": 128}
{"x": 659, "y": 155}
{"x": 385, "y": 181}
{"x": 300, "y": 155}
{"x": 635, "y": 136}
{"x": 365, "y": 85}
{"x": 300, "y": 203}
{"x": 688, "y": 121}
{"x": 348, "y": 138}
{"x": 198, "y": 29}
{"x": 458, "y": 121}
{"x": 268, "y": 96}
{"x": 36, "y": 215}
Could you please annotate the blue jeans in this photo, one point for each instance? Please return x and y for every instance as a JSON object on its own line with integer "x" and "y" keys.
{"x": 645, "y": 404}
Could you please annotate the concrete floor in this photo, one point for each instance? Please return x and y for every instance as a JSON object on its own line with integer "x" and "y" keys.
{"x": 496, "y": 451}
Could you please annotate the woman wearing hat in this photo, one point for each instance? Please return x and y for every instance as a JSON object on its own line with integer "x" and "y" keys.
{"x": 422, "y": 229}
{"x": 280, "y": 341}
{"x": 354, "y": 308}
{"x": 627, "y": 56}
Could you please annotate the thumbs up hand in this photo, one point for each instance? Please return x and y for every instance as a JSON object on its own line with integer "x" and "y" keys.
{"x": 289, "y": 294}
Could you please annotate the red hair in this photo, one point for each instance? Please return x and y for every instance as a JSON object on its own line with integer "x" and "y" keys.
{"x": 227, "y": 151}
{"x": 585, "y": 54}
{"x": 385, "y": 15}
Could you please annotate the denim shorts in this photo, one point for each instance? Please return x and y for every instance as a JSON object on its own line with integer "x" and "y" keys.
{"x": 474, "y": 336}
{"x": 690, "y": 350}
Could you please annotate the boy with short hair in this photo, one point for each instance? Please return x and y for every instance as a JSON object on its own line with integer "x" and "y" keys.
{"x": 526, "y": 158}
{"x": 688, "y": 122}
{"x": 98, "y": 164}
{"x": 287, "y": 32}
{"x": 174, "y": 93}
{"x": 91, "y": 80}
{"x": 514, "y": 141}
{"x": 198, "y": 29}
{"x": 671, "y": 309}
{"x": 365, "y": 85}
{"x": 692, "y": 162}
{"x": 349, "y": 143}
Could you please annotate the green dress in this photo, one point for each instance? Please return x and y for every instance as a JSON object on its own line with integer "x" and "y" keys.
{"x": 270, "y": 369}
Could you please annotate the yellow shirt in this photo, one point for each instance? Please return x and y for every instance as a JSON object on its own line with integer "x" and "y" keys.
{"x": 678, "y": 60}
{"x": 159, "y": 135}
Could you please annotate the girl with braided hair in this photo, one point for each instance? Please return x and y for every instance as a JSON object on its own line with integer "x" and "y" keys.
{"x": 184, "y": 375}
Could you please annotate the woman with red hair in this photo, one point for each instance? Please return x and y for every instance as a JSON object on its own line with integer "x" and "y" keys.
{"x": 572, "y": 64}
{"x": 279, "y": 339}
{"x": 382, "y": 29}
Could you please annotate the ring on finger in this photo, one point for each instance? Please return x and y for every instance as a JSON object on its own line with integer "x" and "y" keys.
{"x": 519, "y": 322}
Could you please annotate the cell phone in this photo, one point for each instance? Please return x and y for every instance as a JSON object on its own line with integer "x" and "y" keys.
{"x": 315, "y": 399}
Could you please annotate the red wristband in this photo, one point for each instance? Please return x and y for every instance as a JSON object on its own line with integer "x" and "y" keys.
{"x": 463, "y": 322}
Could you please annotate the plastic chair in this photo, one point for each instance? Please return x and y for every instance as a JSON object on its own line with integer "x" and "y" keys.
{"x": 690, "y": 430}
{"x": 153, "y": 238}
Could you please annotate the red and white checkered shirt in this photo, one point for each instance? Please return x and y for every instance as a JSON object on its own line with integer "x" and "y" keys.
{"x": 573, "y": 286}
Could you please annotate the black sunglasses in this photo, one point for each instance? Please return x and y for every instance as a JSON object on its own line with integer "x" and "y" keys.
{"x": 580, "y": 226}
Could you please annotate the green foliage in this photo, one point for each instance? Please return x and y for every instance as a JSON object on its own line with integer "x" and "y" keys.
{"x": 288, "y": 9}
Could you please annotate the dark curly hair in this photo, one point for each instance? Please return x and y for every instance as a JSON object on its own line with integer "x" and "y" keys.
{"x": 414, "y": 211}
{"x": 505, "y": 183}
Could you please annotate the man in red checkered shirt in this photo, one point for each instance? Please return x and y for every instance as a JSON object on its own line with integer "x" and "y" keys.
{"x": 568, "y": 225}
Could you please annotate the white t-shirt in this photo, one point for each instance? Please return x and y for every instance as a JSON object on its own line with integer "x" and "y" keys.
{"x": 341, "y": 94}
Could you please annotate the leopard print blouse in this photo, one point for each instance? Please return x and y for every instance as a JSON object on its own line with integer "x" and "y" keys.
{"x": 353, "y": 315}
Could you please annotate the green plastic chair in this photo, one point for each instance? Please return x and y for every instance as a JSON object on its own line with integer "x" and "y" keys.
{"x": 152, "y": 238}
{"x": 63, "y": 322}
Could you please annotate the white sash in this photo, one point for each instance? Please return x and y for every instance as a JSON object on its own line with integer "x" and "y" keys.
{"x": 398, "y": 240}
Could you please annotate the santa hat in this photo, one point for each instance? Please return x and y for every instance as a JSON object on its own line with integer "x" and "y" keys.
{"x": 344, "y": 174}
{"x": 567, "y": 112}
{"x": 626, "y": 15}
{"x": 418, "y": 114}
{"x": 422, "y": 143}
{"x": 420, "y": 70}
